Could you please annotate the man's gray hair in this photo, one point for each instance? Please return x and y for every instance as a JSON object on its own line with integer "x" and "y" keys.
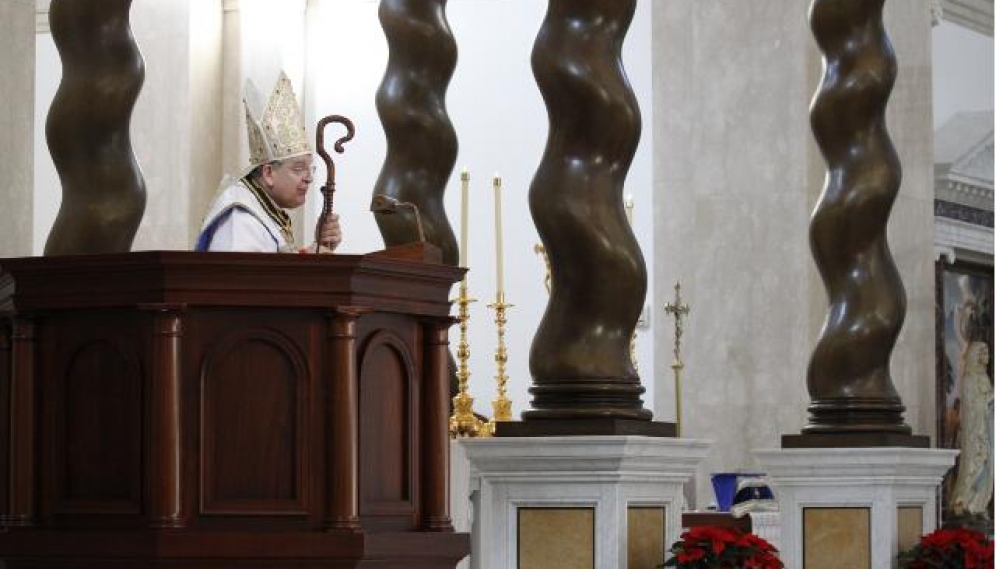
{"x": 257, "y": 172}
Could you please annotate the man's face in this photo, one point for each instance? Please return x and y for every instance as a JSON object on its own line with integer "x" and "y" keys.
{"x": 288, "y": 182}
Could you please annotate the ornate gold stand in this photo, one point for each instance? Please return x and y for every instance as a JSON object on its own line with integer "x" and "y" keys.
{"x": 502, "y": 405}
{"x": 679, "y": 311}
{"x": 463, "y": 422}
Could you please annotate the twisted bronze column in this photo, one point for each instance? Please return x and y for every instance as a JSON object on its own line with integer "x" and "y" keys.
{"x": 411, "y": 102}
{"x": 583, "y": 378}
{"x": 103, "y": 192}
{"x": 854, "y": 402}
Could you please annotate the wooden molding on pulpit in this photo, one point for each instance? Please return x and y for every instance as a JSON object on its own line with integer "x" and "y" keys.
{"x": 415, "y": 251}
{"x": 225, "y": 409}
{"x": 691, "y": 520}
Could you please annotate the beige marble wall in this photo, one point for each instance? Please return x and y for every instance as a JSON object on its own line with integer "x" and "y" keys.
{"x": 176, "y": 123}
{"x": 911, "y": 226}
{"x": 206, "y": 75}
{"x": 160, "y": 126}
{"x": 17, "y": 91}
{"x": 736, "y": 176}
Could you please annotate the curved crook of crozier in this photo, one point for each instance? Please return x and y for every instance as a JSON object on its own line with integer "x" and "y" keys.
{"x": 411, "y": 102}
{"x": 849, "y": 379}
{"x": 580, "y": 355}
{"x": 103, "y": 192}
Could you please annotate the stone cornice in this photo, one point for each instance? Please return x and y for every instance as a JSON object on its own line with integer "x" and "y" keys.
{"x": 971, "y": 195}
{"x": 975, "y": 15}
{"x": 956, "y": 239}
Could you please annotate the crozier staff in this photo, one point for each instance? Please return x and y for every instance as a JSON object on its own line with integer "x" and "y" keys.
{"x": 248, "y": 213}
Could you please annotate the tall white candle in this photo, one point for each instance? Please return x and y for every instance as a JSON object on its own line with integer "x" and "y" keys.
{"x": 498, "y": 248}
{"x": 629, "y": 208}
{"x": 464, "y": 220}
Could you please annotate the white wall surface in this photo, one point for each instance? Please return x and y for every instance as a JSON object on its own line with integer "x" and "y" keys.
{"x": 963, "y": 71}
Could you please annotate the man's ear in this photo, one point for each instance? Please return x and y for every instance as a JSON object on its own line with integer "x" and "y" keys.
{"x": 266, "y": 174}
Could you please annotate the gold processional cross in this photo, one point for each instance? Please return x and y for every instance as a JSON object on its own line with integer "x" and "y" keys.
{"x": 679, "y": 311}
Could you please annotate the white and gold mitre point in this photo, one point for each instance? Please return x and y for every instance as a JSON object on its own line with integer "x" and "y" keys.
{"x": 276, "y": 133}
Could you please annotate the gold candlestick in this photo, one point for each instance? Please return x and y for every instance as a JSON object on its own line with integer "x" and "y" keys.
{"x": 679, "y": 311}
{"x": 463, "y": 422}
{"x": 502, "y": 404}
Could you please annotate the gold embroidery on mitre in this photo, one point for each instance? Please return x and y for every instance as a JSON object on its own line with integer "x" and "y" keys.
{"x": 279, "y": 133}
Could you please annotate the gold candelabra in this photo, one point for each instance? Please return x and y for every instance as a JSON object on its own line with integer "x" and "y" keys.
{"x": 679, "y": 311}
{"x": 463, "y": 422}
{"x": 502, "y": 405}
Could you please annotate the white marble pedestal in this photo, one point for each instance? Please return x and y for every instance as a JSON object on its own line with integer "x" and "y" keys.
{"x": 605, "y": 502}
{"x": 853, "y": 507}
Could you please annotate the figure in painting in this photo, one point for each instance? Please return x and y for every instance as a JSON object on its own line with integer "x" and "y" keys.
{"x": 974, "y": 486}
{"x": 248, "y": 214}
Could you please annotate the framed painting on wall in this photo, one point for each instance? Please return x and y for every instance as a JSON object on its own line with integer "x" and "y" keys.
{"x": 964, "y": 311}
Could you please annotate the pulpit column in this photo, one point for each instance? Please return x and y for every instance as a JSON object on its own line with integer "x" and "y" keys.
{"x": 164, "y": 412}
{"x": 23, "y": 434}
{"x": 342, "y": 457}
{"x": 435, "y": 428}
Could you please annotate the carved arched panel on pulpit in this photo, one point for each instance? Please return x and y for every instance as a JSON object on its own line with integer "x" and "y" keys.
{"x": 253, "y": 426}
{"x": 97, "y": 430}
{"x": 387, "y": 394}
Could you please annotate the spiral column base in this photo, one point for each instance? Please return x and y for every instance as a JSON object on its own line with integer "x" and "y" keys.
{"x": 592, "y": 426}
{"x": 838, "y": 423}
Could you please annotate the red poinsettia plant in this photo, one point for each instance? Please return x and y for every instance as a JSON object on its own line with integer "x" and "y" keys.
{"x": 710, "y": 547}
{"x": 958, "y": 548}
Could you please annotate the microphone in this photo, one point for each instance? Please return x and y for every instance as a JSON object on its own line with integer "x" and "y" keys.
{"x": 387, "y": 205}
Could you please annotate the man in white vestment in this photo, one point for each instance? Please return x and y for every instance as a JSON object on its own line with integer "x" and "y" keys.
{"x": 248, "y": 213}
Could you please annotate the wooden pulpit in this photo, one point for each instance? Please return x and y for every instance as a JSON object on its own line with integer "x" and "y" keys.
{"x": 201, "y": 410}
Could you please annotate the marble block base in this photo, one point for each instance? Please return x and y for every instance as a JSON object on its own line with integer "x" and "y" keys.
{"x": 601, "y": 502}
{"x": 853, "y": 507}
{"x": 767, "y": 526}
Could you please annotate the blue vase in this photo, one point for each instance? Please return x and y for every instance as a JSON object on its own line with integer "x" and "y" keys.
{"x": 724, "y": 484}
